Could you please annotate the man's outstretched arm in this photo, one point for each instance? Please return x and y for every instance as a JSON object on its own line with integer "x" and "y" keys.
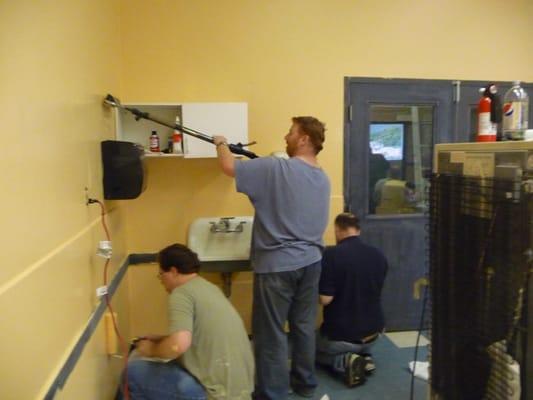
{"x": 226, "y": 159}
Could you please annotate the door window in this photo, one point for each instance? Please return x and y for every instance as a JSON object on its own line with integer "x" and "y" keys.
{"x": 400, "y": 140}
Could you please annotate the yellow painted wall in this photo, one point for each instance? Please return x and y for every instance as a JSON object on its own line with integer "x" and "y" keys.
{"x": 286, "y": 58}
{"x": 57, "y": 59}
{"x": 282, "y": 57}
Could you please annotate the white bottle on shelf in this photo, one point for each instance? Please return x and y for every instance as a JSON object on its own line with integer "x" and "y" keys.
{"x": 177, "y": 142}
{"x": 515, "y": 112}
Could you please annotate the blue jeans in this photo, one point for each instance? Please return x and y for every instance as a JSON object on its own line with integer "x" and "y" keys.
{"x": 148, "y": 380}
{"x": 331, "y": 352}
{"x": 278, "y": 297}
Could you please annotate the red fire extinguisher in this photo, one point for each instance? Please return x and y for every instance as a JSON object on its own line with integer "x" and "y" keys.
{"x": 488, "y": 115}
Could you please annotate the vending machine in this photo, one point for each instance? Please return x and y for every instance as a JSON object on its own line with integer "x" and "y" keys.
{"x": 481, "y": 259}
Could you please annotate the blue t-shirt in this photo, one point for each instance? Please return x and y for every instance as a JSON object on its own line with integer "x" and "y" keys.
{"x": 291, "y": 201}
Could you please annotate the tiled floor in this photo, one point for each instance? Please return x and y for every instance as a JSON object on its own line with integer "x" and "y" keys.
{"x": 406, "y": 339}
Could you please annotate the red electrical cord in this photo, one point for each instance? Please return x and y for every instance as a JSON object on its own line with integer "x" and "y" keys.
{"x": 125, "y": 348}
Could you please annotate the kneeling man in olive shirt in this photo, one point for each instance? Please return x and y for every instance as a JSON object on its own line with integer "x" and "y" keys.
{"x": 207, "y": 345}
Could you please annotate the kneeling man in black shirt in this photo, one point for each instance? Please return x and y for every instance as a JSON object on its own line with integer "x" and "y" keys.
{"x": 350, "y": 291}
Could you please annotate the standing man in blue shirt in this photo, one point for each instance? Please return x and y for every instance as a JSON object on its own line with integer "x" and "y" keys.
{"x": 291, "y": 201}
{"x": 352, "y": 278}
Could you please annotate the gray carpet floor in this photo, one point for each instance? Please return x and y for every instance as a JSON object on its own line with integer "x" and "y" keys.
{"x": 390, "y": 380}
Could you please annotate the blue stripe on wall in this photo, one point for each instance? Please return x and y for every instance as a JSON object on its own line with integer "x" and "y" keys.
{"x": 74, "y": 356}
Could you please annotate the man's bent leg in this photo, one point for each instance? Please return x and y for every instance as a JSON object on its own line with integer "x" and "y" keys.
{"x": 272, "y": 296}
{"x": 148, "y": 380}
{"x": 332, "y": 353}
{"x": 302, "y": 320}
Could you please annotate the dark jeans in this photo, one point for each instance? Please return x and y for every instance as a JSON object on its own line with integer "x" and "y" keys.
{"x": 149, "y": 380}
{"x": 279, "y": 297}
{"x": 332, "y": 352}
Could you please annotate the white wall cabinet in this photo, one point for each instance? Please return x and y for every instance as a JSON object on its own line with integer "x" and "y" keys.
{"x": 227, "y": 119}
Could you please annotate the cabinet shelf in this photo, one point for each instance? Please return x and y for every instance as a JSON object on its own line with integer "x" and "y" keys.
{"x": 162, "y": 155}
{"x": 227, "y": 119}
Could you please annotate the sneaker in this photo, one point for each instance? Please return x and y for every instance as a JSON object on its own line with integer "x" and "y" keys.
{"x": 354, "y": 373}
{"x": 369, "y": 364}
{"x": 304, "y": 392}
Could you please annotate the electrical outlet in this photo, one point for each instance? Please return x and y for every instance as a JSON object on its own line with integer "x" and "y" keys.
{"x": 104, "y": 249}
{"x": 86, "y": 195}
{"x": 101, "y": 291}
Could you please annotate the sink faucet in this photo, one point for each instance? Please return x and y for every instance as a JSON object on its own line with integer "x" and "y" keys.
{"x": 223, "y": 226}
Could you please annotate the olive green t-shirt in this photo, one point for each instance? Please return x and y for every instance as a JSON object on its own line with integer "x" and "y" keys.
{"x": 220, "y": 355}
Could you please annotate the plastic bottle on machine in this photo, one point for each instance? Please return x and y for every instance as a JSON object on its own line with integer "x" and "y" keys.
{"x": 154, "y": 142}
{"x": 176, "y": 139}
{"x": 515, "y": 112}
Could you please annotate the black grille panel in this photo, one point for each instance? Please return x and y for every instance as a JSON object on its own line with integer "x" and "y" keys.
{"x": 480, "y": 245}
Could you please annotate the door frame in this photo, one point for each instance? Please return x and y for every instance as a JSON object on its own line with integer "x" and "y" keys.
{"x": 362, "y": 160}
{"x": 399, "y": 236}
{"x": 458, "y": 114}
{"x": 449, "y": 116}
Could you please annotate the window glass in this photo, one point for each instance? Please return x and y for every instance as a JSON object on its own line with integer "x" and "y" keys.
{"x": 400, "y": 151}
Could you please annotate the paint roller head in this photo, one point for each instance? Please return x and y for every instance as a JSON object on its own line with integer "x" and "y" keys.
{"x": 111, "y": 101}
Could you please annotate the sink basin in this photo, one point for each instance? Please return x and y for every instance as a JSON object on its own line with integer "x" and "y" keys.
{"x": 221, "y": 239}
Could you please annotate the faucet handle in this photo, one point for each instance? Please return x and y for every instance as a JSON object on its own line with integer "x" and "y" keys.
{"x": 224, "y": 221}
{"x": 239, "y": 228}
{"x": 213, "y": 227}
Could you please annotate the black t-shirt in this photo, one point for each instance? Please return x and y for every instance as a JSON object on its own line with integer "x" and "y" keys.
{"x": 353, "y": 273}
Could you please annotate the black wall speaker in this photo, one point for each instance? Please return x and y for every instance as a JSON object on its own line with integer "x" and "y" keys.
{"x": 124, "y": 170}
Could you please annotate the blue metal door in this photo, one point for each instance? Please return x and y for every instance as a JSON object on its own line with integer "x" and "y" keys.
{"x": 390, "y": 130}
